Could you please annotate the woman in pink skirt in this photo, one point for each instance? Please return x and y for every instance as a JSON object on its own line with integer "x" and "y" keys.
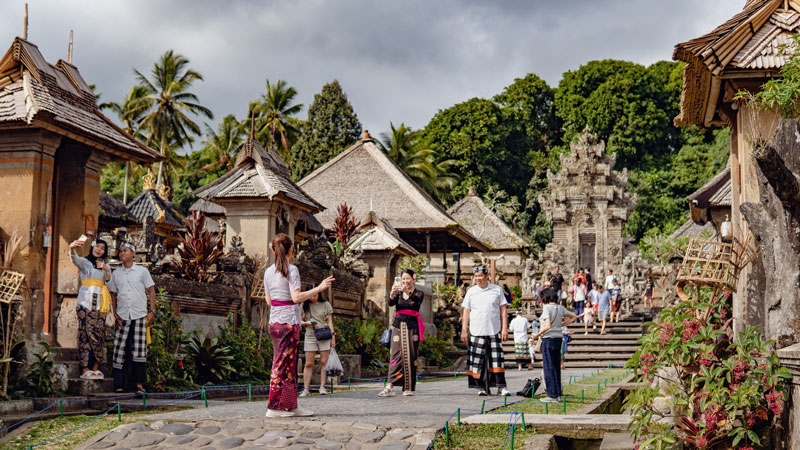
{"x": 282, "y": 291}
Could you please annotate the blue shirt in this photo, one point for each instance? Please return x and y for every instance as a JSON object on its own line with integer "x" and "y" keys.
{"x": 603, "y": 301}
{"x": 616, "y": 291}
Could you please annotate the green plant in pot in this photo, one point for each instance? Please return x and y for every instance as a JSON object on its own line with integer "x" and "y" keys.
{"x": 211, "y": 360}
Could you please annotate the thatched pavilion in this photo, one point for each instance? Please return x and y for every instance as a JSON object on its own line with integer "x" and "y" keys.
{"x": 365, "y": 178}
{"x": 506, "y": 246}
{"x": 53, "y": 144}
{"x": 153, "y": 204}
{"x": 260, "y": 199}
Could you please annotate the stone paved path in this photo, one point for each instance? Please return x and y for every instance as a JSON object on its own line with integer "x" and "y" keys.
{"x": 348, "y": 420}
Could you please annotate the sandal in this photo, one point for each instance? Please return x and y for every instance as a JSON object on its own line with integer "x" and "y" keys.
{"x": 388, "y": 392}
{"x": 96, "y": 375}
{"x": 119, "y": 390}
{"x": 87, "y": 375}
{"x": 140, "y": 390}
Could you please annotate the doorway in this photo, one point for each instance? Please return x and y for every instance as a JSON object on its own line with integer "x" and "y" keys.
{"x": 586, "y": 251}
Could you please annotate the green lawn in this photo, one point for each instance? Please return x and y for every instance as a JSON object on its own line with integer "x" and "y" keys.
{"x": 49, "y": 429}
{"x": 482, "y": 437}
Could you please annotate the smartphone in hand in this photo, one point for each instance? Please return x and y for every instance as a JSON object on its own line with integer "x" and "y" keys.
{"x": 83, "y": 238}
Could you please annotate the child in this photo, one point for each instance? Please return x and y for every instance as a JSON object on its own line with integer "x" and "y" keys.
{"x": 532, "y": 342}
{"x": 588, "y": 318}
{"x": 564, "y": 331}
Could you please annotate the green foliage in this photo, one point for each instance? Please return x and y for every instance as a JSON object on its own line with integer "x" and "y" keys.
{"x": 166, "y": 341}
{"x": 724, "y": 392}
{"x": 210, "y": 360}
{"x": 274, "y": 122}
{"x": 439, "y": 350}
{"x": 448, "y": 293}
{"x": 360, "y": 337}
{"x": 486, "y": 144}
{"x": 516, "y": 291}
{"x": 40, "y": 376}
{"x": 331, "y": 127}
{"x": 781, "y": 94}
{"x": 251, "y": 355}
{"x": 418, "y": 264}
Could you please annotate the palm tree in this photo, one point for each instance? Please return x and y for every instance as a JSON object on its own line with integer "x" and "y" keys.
{"x": 221, "y": 145}
{"x": 423, "y": 165}
{"x": 130, "y": 112}
{"x": 275, "y": 126}
{"x": 170, "y": 105}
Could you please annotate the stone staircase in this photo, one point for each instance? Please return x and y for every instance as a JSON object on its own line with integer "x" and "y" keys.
{"x": 75, "y": 384}
{"x": 595, "y": 350}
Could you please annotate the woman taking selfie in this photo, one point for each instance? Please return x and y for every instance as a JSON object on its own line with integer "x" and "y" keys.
{"x": 407, "y": 332}
{"x": 282, "y": 293}
{"x": 94, "y": 301}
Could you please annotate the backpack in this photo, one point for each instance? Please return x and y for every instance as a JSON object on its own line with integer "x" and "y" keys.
{"x": 530, "y": 388}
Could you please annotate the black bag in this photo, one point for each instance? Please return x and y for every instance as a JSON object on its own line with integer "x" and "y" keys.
{"x": 530, "y": 388}
{"x": 386, "y": 338}
{"x": 323, "y": 334}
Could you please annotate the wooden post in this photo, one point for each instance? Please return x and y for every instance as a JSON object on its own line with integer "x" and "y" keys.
{"x": 69, "y": 55}
{"x": 428, "y": 247}
{"x": 492, "y": 272}
{"x": 25, "y": 24}
{"x": 444, "y": 255}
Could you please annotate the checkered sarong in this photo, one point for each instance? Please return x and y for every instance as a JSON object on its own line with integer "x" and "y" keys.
{"x": 485, "y": 352}
{"x": 139, "y": 330}
{"x": 521, "y": 350}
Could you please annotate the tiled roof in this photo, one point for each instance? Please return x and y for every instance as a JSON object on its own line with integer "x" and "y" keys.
{"x": 148, "y": 203}
{"x": 56, "y": 97}
{"x": 378, "y": 235}
{"x": 723, "y": 196}
{"x": 208, "y": 208}
{"x": 257, "y": 173}
{"x": 473, "y": 214}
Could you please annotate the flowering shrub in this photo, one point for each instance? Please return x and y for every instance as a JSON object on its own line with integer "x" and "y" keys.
{"x": 720, "y": 392}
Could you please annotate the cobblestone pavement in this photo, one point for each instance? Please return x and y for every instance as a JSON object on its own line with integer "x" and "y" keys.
{"x": 347, "y": 420}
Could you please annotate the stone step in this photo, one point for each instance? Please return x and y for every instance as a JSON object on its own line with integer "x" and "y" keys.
{"x": 83, "y": 387}
{"x": 582, "y": 364}
{"x": 617, "y": 441}
{"x": 572, "y": 347}
{"x": 608, "y": 337}
{"x": 67, "y": 354}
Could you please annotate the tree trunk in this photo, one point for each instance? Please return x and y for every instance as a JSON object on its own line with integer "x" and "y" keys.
{"x": 125, "y": 186}
{"x": 160, "y": 164}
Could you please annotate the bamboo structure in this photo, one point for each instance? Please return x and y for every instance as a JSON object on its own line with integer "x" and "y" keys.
{"x": 10, "y": 283}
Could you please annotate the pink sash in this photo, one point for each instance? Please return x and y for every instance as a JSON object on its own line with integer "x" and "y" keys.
{"x": 420, "y": 325}
{"x": 282, "y": 302}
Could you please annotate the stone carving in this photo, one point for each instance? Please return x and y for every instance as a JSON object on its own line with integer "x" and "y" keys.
{"x": 527, "y": 282}
{"x": 236, "y": 245}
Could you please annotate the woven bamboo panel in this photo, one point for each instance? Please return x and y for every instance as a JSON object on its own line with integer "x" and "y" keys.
{"x": 258, "y": 287}
{"x": 9, "y": 285}
{"x": 708, "y": 263}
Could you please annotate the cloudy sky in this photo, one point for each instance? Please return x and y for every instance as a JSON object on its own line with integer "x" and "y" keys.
{"x": 398, "y": 61}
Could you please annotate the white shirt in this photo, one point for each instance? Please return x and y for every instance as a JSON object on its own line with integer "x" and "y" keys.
{"x": 610, "y": 281}
{"x": 519, "y": 326}
{"x": 131, "y": 286}
{"x": 484, "y": 309}
{"x": 278, "y": 287}
{"x": 579, "y": 293}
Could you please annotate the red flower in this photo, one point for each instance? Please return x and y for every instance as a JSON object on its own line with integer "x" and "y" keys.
{"x": 691, "y": 328}
{"x": 180, "y": 364}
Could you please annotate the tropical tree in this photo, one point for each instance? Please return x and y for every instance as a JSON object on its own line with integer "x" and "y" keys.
{"x": 171, "y": 105}
{"x": 274, "y": 124}
{"x": 423, "y": 165}
{"x": 221, "y": 145}
{"x": 331, "y": 127}
{"x": 130, "y": 112}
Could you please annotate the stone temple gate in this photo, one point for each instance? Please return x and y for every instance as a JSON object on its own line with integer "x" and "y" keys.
{"x": 587, "y": 206}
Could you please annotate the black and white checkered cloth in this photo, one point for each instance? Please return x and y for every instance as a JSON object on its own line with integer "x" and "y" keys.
{"x": 139, "y": 330}
{"x": 479, "y": 346}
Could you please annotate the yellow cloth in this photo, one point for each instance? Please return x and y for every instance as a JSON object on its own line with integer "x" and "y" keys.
{"x": 105, "y": 296}
{"x": 148, "y": 336}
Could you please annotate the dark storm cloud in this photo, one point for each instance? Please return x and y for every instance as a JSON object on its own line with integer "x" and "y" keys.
{"x": 398, "y": 61}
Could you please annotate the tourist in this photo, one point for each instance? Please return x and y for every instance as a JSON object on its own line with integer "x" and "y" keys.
{"x": 407, "y": 330}
{"x": 557, "y": 281}
{"x": 532, "y": 343}
{"x": 132, "y": 288}
{"x": 603, "y": 300}
{"x": 93, "y": 302}
{"x": 587, "y": 273}
{"x": 553, "y": 317}
{"x": 616, "y": 300}
{"x": 648, "y": 291}
{"x": 317, "y": 315}
{"x": 610, "y": 279}
{"x": 507, "y": 293}
{"x": 588, "y": 316}
{"x": 579, "y": 297}
{"x": 282, "y": 294}
{"x": 520, "y": 326}
{"x": 484, "y": 328}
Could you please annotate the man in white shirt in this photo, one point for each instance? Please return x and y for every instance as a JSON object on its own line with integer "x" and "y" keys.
{"x": 519, "y": 326}
{"x": 610, "y": 278}
{"x": 131, "y": 289}
{"x": 484, "y": 327}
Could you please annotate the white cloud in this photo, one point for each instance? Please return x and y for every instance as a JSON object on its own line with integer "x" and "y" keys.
{"x": 398, "y": 61}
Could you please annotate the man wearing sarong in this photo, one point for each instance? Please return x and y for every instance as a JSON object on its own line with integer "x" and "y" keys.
{"x": 484, "y": 328}
{"x": 132, "y": 288}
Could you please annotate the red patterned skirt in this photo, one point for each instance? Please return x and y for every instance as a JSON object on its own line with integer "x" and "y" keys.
{"x": 283, "y": 380}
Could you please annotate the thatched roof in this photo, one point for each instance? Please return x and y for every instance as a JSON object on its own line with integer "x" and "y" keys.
{"x": 37, "y": 94}
{"x": 366, "y": 179}
{"x": 691, "y": 229}
{"x": 149, "y": 203}
{"x": 749, "y": 43}
{"x": 258, "y": 173}
{"x": 377, "y": 235}
{"x": 209, "y": 208}
{"x": 111, "y": 207}
{"x": 473, "y": 214}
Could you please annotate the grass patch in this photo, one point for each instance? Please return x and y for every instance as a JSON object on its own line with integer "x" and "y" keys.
{"x": 482, "y": 437}
{"x": 572, "y": 392}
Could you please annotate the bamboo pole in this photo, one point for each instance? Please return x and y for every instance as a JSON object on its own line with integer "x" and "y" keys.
{"x": 25, "y": 24}
{"x": 69, "y": 48}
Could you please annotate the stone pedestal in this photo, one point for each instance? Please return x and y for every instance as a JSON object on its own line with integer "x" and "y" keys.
{"x": 790, "y": 358}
